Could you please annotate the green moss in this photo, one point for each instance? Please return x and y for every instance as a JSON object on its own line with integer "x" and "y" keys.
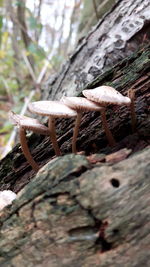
{"x": 124, "y": 73}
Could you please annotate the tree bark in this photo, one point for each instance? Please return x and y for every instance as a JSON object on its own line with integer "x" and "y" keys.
{"x": 77, "y": 214}
{"x": 132, "y": 72}
{"x": 116, "y": 36}
{"x": 93, "y": 209}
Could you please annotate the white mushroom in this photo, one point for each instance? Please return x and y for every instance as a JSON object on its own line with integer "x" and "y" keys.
{"x": 25, "y": 123}
{"x": 52, "y": 109}
{"x": 105, "y": 95}
{"x": 6, "y": 198}
{"x": 81, "y": 104}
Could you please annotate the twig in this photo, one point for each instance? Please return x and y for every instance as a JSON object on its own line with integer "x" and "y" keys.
{"x": 7, "y": 90}
{"x": 29, "y": 67}
{"x": 44, "y": 69}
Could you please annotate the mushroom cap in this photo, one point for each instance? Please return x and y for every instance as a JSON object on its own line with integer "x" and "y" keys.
{"x": 81, "y": 104}
{"x": 52, "y": 108}
{"x": 6, "y": 198}
{"x": 28, "y": 123}
{"x": 106, "y": 95}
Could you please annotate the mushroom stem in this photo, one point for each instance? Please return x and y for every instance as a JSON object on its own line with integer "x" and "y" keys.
{"x": 51, "y": 125}
{"x": 108, "y": 133}
{"x": 131, "y": 95}
{"x": 25, "y": 149}
{"x": 75, "y": 132}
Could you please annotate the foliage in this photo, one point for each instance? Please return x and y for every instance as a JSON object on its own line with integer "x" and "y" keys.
{"x": 27, "y": 39}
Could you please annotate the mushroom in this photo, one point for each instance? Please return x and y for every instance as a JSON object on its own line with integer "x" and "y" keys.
{"x": 52, "y": 109}
{"x": 25, "y": 123}
{"x": 81, "y": 104}
{"x": 6, "y": 198}
{"x": 131, "y": 95}
{"x": 105, "y": 95}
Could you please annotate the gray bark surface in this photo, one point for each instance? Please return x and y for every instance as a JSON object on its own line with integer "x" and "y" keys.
{"x": 90, "y": 210}
{"x": 117, "y": 35}
{"x": 74, "y": 213}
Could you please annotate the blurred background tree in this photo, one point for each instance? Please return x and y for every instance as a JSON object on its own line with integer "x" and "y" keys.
{"x": 35, "y": 38}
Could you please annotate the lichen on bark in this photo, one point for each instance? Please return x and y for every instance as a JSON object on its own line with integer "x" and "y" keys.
{"x": 71, "y": 214}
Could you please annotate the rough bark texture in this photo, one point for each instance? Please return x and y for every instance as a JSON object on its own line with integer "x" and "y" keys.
{"x": 85, "y": 210}
{"x": 116, "y": 36}
{"x": 77, "y": 214}
{"x": 132, "y": 72}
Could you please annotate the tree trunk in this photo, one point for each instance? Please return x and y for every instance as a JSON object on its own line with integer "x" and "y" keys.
{"x": 23, "y": 28}
{"x": 117, "y": 35}
{"x": 132, "y": 72}
{"x": 79, "y": 214}
{"x": 92, "y": 209}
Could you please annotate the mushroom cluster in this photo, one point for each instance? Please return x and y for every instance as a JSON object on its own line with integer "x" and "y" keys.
{"x": 96, "y": 99}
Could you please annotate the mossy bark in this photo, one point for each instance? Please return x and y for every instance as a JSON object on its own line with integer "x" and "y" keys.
{"x": 132, "y": 72}
{"x": 117, "y": 35}
{"x": 79, "y": 210}
{"x": 74, "y": 213}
